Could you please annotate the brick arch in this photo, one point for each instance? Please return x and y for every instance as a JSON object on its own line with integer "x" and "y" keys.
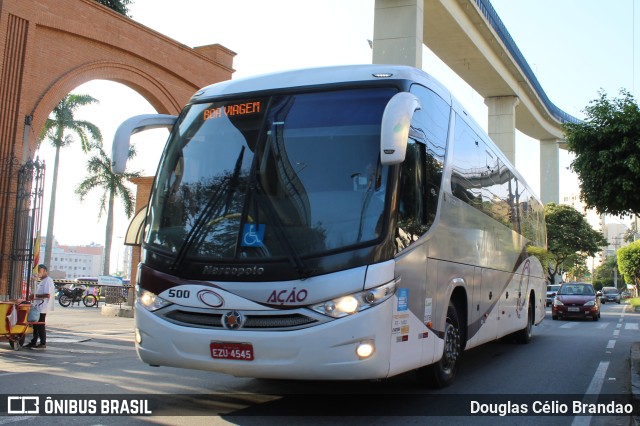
{"x": 150, "y": 87}
{"x": 50, "y": 47}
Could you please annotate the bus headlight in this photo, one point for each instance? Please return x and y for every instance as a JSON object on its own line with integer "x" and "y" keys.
{"x": 151, "y": 301}
{"x": 356, "y": 302}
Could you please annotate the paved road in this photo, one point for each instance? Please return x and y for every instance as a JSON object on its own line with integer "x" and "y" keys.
{"x": 92, "y": 354}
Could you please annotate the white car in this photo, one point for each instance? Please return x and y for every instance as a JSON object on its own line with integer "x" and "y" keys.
{"x": 552, "y": 289}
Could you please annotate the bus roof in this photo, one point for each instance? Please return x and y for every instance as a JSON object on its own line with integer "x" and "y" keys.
{"x": 320, "y": 76}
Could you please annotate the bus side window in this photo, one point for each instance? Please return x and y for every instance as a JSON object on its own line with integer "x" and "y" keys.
{"x": 411, "y": 204}
{"x": 421, "y": 172}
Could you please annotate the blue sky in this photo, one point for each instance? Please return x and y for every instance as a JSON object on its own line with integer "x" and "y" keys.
{"x": 575, "y": 47}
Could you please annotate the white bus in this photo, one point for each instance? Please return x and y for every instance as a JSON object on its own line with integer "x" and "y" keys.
{"x": 339, "y": 223}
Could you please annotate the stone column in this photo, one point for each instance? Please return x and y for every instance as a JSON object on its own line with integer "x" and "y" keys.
{"x": 397, "y": 32}
{"x": 550, "y": 171}
{"x": 502, "y": 124}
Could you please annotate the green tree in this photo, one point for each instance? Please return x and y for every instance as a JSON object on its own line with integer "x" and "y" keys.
{"x": 59, "y": 128}
{"x": 579, "y": 271}
{"x": 604, "y": 274}
{"x": 607, "y": 154}
{"x": 570, "y": 239}
{"x": 120, "y": 6}
{"x": 629, "y": 262}
{"x": 101, "y": 176}
{"x": 631, "y": 234}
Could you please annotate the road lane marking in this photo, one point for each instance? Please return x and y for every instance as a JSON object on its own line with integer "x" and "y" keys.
{"x": 592, "y": 391}
{"x": 631, "y": 326}
{"x": 611, "y": 344}
{"x": 569, "y": 325}
{"x": 598, "y": 379}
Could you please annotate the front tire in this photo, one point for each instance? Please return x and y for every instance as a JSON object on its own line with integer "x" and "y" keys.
{"x": 64, "y": 301}
{"x": 442, "y": 373}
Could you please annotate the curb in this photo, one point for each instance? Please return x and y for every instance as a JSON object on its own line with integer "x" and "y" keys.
{"x": 635, "y": 369}
{"x": 127, "y": 312}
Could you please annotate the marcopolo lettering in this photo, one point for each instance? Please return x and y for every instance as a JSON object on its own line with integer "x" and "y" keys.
{"x": 233, "y": 270}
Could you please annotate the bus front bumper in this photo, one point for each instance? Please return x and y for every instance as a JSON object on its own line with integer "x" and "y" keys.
{"x": 322, "y": 352}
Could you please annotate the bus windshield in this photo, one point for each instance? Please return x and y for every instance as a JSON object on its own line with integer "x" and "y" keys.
{"x": 271, "y": 177}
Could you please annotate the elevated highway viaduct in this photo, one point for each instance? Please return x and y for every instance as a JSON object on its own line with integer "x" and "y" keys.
{"x": 470, "y": 38}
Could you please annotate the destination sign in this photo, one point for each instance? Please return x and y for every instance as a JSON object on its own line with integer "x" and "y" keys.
{"x": 232, "y": 110}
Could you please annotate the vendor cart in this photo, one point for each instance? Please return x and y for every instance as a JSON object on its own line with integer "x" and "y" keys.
{"x": 14, "y": 325}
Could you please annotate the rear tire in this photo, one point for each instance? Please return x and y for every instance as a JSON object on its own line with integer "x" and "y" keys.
{"x": 64, "y": 301}
{"x": 442, "y": 373}
{"x": 524, "y": 336}
{"x": 89, "y": 300}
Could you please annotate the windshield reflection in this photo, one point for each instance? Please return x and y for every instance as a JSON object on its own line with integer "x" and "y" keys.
{"x": 285, "y": 176}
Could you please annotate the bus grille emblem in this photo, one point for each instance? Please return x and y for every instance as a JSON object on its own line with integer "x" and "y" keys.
{"x": 232, "y": 320}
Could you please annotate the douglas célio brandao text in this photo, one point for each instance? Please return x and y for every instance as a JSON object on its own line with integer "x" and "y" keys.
{"x": 551, "y": 408}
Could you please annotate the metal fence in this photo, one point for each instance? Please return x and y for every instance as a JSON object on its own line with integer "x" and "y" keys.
{"x": 28, "y": 217}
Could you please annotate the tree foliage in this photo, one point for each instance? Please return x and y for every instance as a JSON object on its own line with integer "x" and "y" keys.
{"x": 60, "y": 128}
{"x": 570, "y": 239}
{"x": 101, "y": 176}
{"x": 604, "y": 275}
{"x": 629, "y": 262}
{"x": 120, "y": 6}
{"x": 607, "y": 154}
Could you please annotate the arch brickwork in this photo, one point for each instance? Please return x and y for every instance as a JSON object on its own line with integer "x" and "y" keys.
{"x": 49, "y": 47}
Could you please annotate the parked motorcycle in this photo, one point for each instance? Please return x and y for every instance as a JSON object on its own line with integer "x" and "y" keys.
{"x": 69, "y": 295}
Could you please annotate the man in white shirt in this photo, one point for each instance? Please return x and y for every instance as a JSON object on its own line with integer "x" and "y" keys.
{"x": 43, "y": 299}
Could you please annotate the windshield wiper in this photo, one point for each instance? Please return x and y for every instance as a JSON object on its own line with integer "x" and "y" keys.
{"x": 374, "y": 185}
{"x": 208, "y": 211}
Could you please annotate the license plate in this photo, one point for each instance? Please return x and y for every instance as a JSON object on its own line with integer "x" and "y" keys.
{"x": 228, "y": 350}
{"x": 573, "y": 309}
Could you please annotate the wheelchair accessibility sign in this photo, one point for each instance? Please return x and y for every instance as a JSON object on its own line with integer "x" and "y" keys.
{"x": 253, "y": 235}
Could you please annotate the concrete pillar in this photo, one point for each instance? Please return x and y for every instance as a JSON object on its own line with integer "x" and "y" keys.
{"x": 397, "y": 32}
{"x": 550, "y": 171}
{"x": 502, "y": 124}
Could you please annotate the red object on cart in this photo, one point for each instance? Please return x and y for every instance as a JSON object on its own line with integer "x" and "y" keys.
{"x": 14, "y": 325}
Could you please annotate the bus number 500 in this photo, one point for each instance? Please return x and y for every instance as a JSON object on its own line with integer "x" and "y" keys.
{"x": 179, "y": 294}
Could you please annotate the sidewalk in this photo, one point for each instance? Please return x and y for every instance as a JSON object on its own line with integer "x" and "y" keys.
{"x": 80, "y": 318}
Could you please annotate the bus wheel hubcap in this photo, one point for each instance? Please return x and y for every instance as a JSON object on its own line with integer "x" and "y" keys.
{"x": 451, "y": 347}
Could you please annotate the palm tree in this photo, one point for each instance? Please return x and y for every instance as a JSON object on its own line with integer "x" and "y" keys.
{"x": 101, "y": 176}
{"x": 59, "y": 129}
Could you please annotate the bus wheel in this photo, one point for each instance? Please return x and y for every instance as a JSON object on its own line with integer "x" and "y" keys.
{"x": 442, "y": 373}
{"x": 525, "y": 335}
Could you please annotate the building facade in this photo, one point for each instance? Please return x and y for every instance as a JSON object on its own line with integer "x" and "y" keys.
{"x": 71, "y": 262}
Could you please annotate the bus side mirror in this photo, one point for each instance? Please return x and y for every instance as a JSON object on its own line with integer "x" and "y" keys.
{"x": 139, "y": 123}
{"x": 396, "y": 121}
